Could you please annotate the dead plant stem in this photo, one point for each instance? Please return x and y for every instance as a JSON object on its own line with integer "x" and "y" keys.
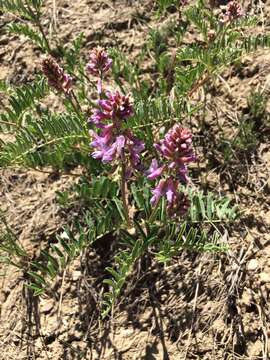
{"x": 61, "y": 295}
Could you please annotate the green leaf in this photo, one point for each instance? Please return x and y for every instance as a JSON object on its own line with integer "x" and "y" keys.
{"x": 28, "y": 32}
{"x": 119, "y": 207}
{"x": 38, "y": 278}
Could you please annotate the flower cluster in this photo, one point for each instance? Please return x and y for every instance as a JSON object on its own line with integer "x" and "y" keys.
{"x": 114, "y": 106}
{"x": 112, "y": 145}
{"x": 113, "y": 109}
{"x": 233, "y": 12}
{"x": 56, "y": 76}
{"x": 176, "y": 152}
{"x": 99, "y": 62}
{"x": 176, "y": 149}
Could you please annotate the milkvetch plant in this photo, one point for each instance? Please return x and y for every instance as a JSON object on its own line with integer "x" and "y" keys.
{"x": 130, "y": 135}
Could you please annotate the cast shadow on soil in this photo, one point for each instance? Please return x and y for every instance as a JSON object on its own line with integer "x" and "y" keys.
{"x": 98, "y": 342}
{"x": 167, "y": 296}
{"x": 32, "y": 324}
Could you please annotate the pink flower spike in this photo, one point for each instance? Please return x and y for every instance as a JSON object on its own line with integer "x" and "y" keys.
{"x": 233, "y": 12}
{"x": 56, "y": 76}
{"x": 99, "y": 62}
{"x": 176, "y": 148}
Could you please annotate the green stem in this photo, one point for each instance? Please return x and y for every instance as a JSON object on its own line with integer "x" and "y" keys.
{"x": 77, "y": 102}
{"x": 47, "y": 45}
{"x": 70, "y": 99}
{"x": 154, "y": 212}
{"x": 124, "y": 187}
{"x": 36, "y": 19}
{"x": 77, "y": 108}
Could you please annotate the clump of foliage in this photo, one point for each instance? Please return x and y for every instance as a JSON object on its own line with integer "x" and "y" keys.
{"x": 251, "y": 127}
{"x": 139, "y": 192}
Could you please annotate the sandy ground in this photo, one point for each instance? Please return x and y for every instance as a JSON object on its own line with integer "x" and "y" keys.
{"x": 202, "y": 306}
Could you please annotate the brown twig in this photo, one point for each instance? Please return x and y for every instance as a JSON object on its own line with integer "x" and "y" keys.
{"x": 61, "y": 296}
{"x": 9, "y": 123}
{"x": 198, "y": 84}
{"x": 76, "y": 101}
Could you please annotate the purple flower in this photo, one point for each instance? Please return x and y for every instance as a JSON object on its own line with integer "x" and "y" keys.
{"x": 105, "y": 138}
{"x": 176, "y": 149}
{"x": 56, "y": 76}
{"x": 110, "y": 144}
{"x": 113, "y": 142}
{"x": 99, "y": 62}
{"x": 134, "y": 146}
{"x": 233, "y": 12}
{"x": 102, "y": 142}
{"x": 155, "y": 170}
{"x": 166, "y": 188}
{"x": 115, "y": 149}
{"x": 177, "y": 202}
{"x": 97, "y": 118}
{"x": 114, "y": 107}
{"x": 158, "y": 192}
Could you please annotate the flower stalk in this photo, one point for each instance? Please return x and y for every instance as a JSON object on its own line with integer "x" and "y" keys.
{"x": 113, "y": 141}
{"x": 36, "y": 19}
{"x": 124, "y": 188}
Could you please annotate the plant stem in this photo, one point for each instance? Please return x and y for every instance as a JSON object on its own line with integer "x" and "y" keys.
{"x": 44, "y": 36}
{"x": 9, "y": 123}
{"x": 198, "y": 84}
{"x": 76, "y": 101}
{"x": 36, "y": 19}
{"x": 77, "y": 108}
{"x": 73, "y": 105}
{"x": 153, "y": 213}
{"x": 124, "y": 187}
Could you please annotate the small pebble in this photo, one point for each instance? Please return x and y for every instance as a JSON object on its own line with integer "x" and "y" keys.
{"x": 47, "y": 307}
{"x": 126, "y": 333}
{"x": 252, "y": 265}
{"x": 76, "y": 275}
{"x": 265, "y": 277}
